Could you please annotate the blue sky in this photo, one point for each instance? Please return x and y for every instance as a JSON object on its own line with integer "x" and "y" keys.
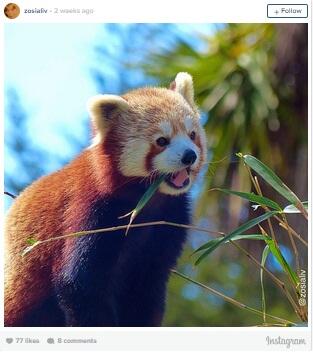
{"x": 49, "y": 67}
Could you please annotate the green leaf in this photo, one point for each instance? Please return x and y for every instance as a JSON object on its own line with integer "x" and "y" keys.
{"x": 256, "y": 236}
{"x": 148, "y": 194}
{"x": 30, "y": 241}
{"x": 253, "y": 198}
{"x": 290, "y": 209}
{"x": 239, "y": 231}
{"x": 271, "y": 178}
{"x": 143, "y": 201}
{"x": 265, "y": 253}
{"x": 282, "y": 261}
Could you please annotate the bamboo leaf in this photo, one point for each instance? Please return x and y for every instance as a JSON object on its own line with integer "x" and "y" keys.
{"x": 240, "y": 230}
{"x": 271, "y": 178}
{"x": 143, "y": 201}
{"x": 253, "y": 198}
{"x": 290, "y": 209}
{"x": 265, "y": 253}
{"x": 256, "y": 236}
{"x": 30, "y": 241}
{"x": 282, "y": 261}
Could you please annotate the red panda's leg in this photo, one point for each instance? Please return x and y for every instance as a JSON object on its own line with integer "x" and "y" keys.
{"x": 83, "y": 310}
{"x": 143, "y": 301}
{"x": 145, "y": 305}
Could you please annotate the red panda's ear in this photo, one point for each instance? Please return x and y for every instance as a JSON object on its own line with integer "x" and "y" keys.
{"x": 102, "y": 108}
{"x": 184, "y": 86}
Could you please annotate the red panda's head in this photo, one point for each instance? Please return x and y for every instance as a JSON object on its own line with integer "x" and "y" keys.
{"x": 153, "y": 131}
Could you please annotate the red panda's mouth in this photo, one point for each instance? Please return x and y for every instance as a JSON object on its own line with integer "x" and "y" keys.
{"x": 179, "y": 179}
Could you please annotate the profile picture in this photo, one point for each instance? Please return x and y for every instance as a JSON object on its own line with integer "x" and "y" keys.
{"x": 11, "y": 10}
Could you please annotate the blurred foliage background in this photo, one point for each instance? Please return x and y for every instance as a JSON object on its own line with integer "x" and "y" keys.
{"x": 251, "y": 87}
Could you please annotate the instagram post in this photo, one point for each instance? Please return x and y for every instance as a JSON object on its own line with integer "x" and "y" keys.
{"x": 156, "y": 176}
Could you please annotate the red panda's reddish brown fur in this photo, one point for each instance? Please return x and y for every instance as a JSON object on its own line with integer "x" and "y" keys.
{"x": 90, "y": 192}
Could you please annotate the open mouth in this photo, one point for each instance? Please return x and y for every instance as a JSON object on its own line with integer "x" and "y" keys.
{"x": 179, "y": 179}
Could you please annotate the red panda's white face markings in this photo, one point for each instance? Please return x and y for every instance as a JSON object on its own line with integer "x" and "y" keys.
{"x": 182, "y": 156}
{"x": 166, "y": 129}
{"x": 156, "y": 131}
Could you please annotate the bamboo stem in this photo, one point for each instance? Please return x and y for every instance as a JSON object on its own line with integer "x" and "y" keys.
{"x": 278, "y": 282}
{"x": 302, "y": 210}
{"x": 295, "y": 249}
{"x": 231, "y": 300}
{"x": 122, "y": 227}
{"x": 259, "y": 191}
{"x": 292, "y": 231}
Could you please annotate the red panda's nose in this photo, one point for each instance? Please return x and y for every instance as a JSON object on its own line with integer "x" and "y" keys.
{"x": 189, "y": 157}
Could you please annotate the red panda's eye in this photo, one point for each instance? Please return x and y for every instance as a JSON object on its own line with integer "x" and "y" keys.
{"x": 193, "y": 135}
{"x": 162, "y": 141}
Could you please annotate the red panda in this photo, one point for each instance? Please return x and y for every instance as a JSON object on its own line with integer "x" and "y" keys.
{"x": 108, "y": 279}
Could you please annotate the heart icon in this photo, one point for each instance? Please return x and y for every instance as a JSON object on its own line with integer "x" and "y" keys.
{"x": 9, "y": 340}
